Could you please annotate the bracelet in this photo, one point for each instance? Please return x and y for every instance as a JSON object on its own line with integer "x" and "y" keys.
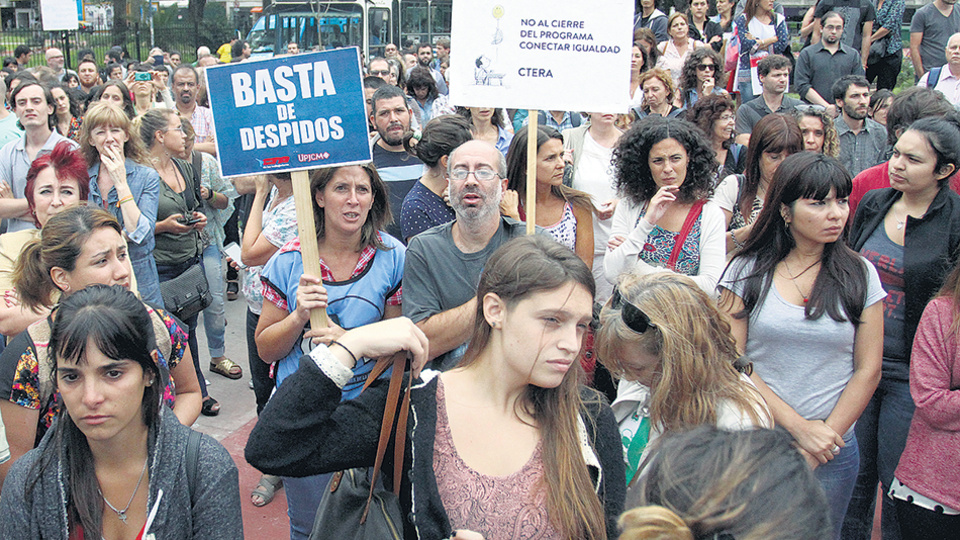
{"x": 123, "y": 200}
{"x": 737, "y": 244}
{"x": 211, "y": 194}
{"x": 344, "y": 347}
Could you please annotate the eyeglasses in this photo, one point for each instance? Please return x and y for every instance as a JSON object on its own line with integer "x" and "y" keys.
{"x": 632, "y": 316}
{"x": 727, "y": 117}
{"x": 705, "y": 67}
{"x": 178, "y": 128}
{"x": 380, "y": 72}
{"x": 482, "y": 175}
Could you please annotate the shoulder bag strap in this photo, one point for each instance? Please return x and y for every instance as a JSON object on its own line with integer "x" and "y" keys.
{"x": 390, "y": 412}
{"x": 193, "y": 459}
{"x": 692, "y": 216}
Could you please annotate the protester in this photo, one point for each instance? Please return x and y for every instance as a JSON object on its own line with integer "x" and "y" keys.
{"x": 925, "y": 492}
{"x": 55, "y": 181}
{"x": 716, "y": 116}
{"x": 774, "y": 73}
{"x": 518, "y": 381}
{"x": 145, "y": 92}
{"x": 702, "y": 76}
{"x": 115, "y": 92}
{"x": 444, "y": 263}
{"x": 819, "y": 133}
{"x": 489, "y": 125}
{"x": 930, "y": 29}
{"x": 186, "y": 83}
{"x": 674, "y": 51}
{"x": 659, "y": 94}
{"x": 422, "y": 87}
{"x": 885, "y": 66}
{"x": 821, "y": 65}
{"x": 880, "y": 102}
{"x": 649, "y": 17}
{"x": 89, "y": 75}
{"x": 703, "y": 29}
{"x": 114, "y": 431}
{"x": 424, "y": 206}
{"x": 36, "y": 113}
{"x": 911, "y": 233}
{"x": 121, "y": 185}
{"x": 591, "y": 146}
{"x": 638, "y": 64}
{"x": 361, "y": 272}
{"x": 761, "y": 31}
{"x": 675, "y": 366}
{"x": 79, "y": 246}
{"x": 806, "y": 310}
{"x": 712, "y": 483}
{"x": 69, "y": 118}
{"x": 946, "y": 78}
{"x": 665, "y": 172}
{"x": 863, "y": 142}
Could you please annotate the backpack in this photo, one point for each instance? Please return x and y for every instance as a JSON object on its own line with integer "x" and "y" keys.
{"x": 934, "y": 77}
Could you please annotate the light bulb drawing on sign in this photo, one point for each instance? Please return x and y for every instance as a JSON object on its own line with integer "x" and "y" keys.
{"x": 484, "y": 73}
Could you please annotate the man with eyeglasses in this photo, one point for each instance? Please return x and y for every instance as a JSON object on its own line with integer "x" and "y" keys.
{"x": 56, "y": 62}
{"x": 821, "y": 65}
{"x": 443, "y": 264}
{"x": 185, "y": 89}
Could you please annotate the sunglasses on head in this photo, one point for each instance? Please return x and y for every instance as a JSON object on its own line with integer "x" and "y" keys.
{"x": 632, "y": 316}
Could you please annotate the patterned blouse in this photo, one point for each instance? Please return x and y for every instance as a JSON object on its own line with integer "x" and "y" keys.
{"x": 659, "y": 246}
{"x": 26, "y": 370}
{"x": 565, "y": 230}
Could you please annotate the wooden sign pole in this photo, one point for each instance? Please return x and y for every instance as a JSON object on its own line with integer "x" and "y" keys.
{"x": 530, "y": 205}
{"x": 303, "y": 200}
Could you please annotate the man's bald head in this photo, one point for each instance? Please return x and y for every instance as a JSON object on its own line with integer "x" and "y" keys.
{"x": 496, "y": 159}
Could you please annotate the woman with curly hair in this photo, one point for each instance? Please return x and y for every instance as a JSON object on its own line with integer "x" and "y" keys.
{"x": 665, "y": 222}
{"x": 741, "y": 196}
{"x": 676, "y": 366}
{"x": 819, "y": 133}
{"x": 716, "y": 116}
{"x": 659, "y": 93}
{"x": 702, "y": 75}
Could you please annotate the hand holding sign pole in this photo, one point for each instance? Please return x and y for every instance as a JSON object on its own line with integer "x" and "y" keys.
{"x": 291, "y": 114}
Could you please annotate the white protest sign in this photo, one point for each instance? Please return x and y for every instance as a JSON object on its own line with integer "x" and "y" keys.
{"x": 59, "y": 15}
{"x": 568, "y": 55}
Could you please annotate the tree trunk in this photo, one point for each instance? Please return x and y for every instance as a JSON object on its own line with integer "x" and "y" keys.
{"x": 119, "y": 33}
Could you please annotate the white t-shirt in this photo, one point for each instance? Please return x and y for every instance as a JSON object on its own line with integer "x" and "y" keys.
{"x": 595, "y": 176}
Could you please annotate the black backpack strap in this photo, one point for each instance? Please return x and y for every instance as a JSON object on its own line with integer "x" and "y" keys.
{"x": 193, "y": 460}
{"x": 934, "y": 77}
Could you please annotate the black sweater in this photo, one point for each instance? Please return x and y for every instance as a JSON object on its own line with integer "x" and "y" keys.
{"x": 306, "y": 430}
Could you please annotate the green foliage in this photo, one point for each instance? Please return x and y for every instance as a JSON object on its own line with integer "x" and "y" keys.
{"x": 907, "y": 77}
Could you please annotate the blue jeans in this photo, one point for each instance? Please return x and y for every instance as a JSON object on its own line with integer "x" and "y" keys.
{"x": 882, "y": 431}
{"x": 148, "y": 283}
{"x": 214, "y": 319}
{"x": 303, "y": 499}
{"x": 746, "y": 92}
{"x": 837, "y": 478}
{"x": 166, "y": 272}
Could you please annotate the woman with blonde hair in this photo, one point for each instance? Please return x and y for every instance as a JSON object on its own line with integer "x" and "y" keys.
{"x": 819, "y": 133}
{"x": 123, "y": 186}
{"x": 715, "y": 484}
{"x": 659, "y": 93}
{"x": 678, "y": 367}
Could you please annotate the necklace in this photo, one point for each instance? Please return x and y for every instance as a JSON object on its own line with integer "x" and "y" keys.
{"x": 901, "y": 222}
{"x": 122, "y": 514}
{"x": 793, "y": 279}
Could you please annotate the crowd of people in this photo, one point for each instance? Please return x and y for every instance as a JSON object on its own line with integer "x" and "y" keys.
{"x": 738, "y": 316}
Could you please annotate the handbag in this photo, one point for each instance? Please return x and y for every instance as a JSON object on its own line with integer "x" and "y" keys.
{"x": 187, "y": 294}
{"x": 878, "y": 49}
{"x": 355, "y": 505}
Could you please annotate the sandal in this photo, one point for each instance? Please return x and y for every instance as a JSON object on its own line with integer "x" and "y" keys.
{"x": 210, "y": 407}
{"x": 266, "y": 489}
{"x": 227, "y": 367}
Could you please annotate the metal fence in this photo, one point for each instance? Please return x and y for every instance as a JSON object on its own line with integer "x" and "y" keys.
{"x": 183, "y": 36}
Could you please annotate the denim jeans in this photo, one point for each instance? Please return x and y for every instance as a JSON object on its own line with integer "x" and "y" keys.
{"x": 882, "y": 431}
{"x": 259, "y": 370}
{"x": 837, "y": 478}
{"x": 746, "y": 92}
{"x": 148, "y": 285}
{"x": 166, "y": 272}
{"x": 214, "y": 319}
{"x": 303, "y": 499}
{"x": 921, "y": 524}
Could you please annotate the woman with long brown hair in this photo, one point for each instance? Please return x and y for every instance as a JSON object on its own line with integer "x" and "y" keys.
{"x": 561, "y": 472}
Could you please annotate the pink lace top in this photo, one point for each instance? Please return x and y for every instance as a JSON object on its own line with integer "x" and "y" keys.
{"x": 498, "y": 507}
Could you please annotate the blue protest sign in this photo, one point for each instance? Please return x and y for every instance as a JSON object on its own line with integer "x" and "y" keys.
{"x": 289, "y": 113}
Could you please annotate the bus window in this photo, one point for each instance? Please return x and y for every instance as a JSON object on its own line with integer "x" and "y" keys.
{"x": 379, "y": 26}
{"x": 440, "y": 20}
{"x": 263, "y": 34}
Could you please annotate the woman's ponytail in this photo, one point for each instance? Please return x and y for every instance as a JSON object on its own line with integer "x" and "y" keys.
{"x": 30, "y": 279}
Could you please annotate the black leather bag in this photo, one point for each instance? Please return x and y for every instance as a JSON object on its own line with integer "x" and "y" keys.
{"x": 356, "y": 506}
{"x": 187, "y": 294}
